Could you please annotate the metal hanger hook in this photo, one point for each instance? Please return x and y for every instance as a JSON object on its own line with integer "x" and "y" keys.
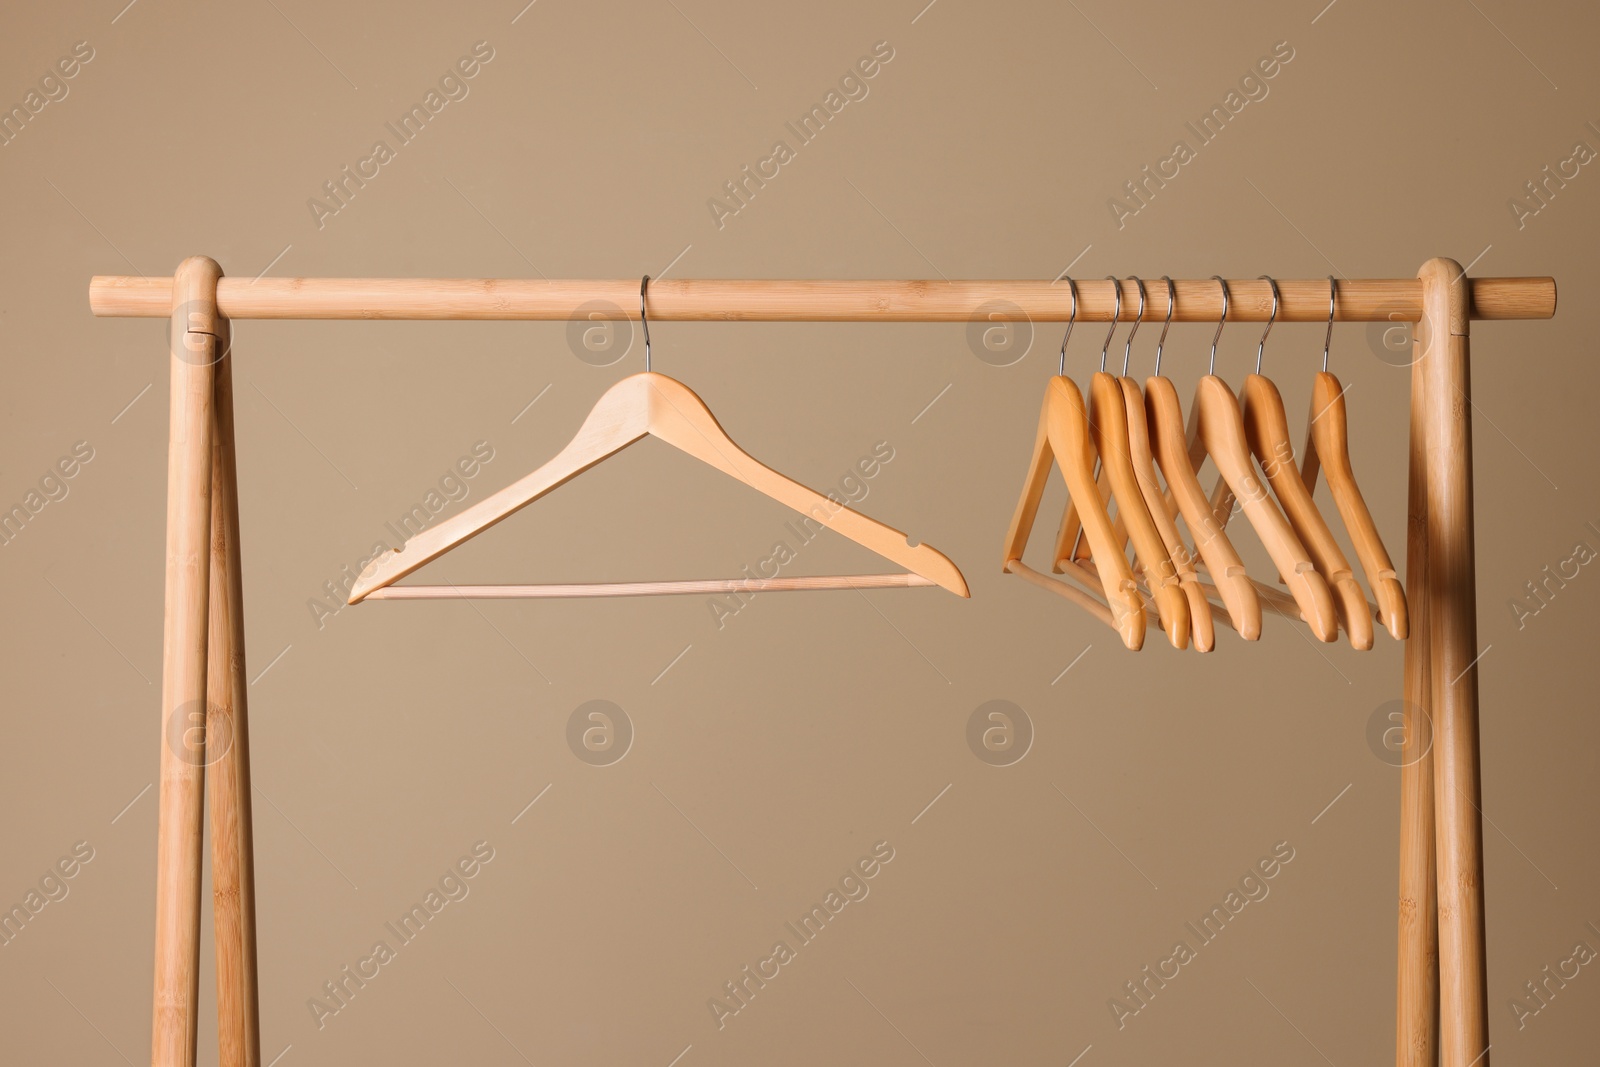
{"x": 644, "y": 320}
{"x": 1216, "y": 336}
{"x": 1333, "y": 302}
{"x": 1127, "y": 349}
{"x": 1115, "y": 316}
{"x": 1262, "y": 344}
{"x": 1172, "y": 299}
{"x": 1071, "y": 319}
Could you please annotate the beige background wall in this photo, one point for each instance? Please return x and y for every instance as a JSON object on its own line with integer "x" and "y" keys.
{"x": 771, "y": 754}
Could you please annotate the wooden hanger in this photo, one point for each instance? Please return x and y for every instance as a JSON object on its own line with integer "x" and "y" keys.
{"x": 1164, "y": 418}
{"x": 658, "y": 406}
{"x": 1328, "y": 443}
{"x": 1216, "y": 428}
{"x": 1163, "y": 514}
{"x": 1063, "y": 438}
{"x": 1108, "y": 423}
{"x": 1160, "y": 507}
{"x": 1267, "y": 429}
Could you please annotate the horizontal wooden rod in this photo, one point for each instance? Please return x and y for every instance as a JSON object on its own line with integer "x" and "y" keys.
{"x": 1301, "y": 300}
{"x": 711, "y": 586}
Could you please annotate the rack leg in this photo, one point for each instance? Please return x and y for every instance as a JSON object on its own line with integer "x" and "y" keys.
{"x": 228, "y": 755}
{"x": 1453, "y": 679}
{"x": 1417, "y": 1007}
{"x": 183, "y": 664}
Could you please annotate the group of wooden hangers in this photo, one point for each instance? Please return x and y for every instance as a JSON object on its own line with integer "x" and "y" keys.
{"x": 1109, "y": 451}
{"x": 652, "y": 404}
{"x": 1116, "y": 451}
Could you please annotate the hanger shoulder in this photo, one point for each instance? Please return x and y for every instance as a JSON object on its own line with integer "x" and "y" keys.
{"x": 1267, "y": 429}
{"x": 1063, "y": 438}
{"x": 1071, "y": 545}
{"x": 1328, "y": 437}
{"x": 1067, "y": 424}
{"x": 1110, "y": 430}
{"x": 1227, "y": 570}
{"x": 618, "y": 419}
{"x": 1163, "y": 514}
{"x": 1032, "y": 491}
{"x": 1221, "y": 431}
{"x": 681, "y": 419}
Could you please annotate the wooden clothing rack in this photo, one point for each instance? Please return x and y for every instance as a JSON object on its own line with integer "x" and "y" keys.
{"x": 1442, "y": 1000}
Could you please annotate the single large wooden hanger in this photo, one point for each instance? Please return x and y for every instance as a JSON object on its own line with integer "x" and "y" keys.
{"x": 658, "y": 406}
{"x": 1216, "y": 428}
{"x": 1267, "y": 429}
{"x": 1328, "y": 444}
{"x": 1063, "y": 438}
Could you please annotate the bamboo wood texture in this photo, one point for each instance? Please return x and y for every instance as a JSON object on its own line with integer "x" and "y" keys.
{"x": 661, "y": 407}
{"x": 1453, "y": 680}
{"x": 228, "y": 746}
{"x": 1266, "y": 427}
{"x": 1165, "y": 418}
{"x": 1328, "y": 446}
{"x": 1417, "y": 977}
{"x": 1219, "y": 432}
{"x": 1108, "y": 423}
{"x": 193, "y": 336}
{"x": 713, "y": 586}
{"x": 749, "y": 300}
{"x": 1063, "y": 436}
{"x": 1201, "y": 629}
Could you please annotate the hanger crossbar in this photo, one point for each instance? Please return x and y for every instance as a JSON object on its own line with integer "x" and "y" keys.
{"x": 744, "y": 300}
{"x": 707, "y": 586}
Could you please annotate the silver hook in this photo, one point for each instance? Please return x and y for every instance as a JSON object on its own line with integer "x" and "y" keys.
{"x": 1115, "y": 316}
{"x": 1073, "y": 318}
{"x": 1333, "y": 296}
{"x": 1220, "y": 322}
{"x": 1127, "y": 349}
{"x": 1262, "y": 344}
{"x": 644, "y": 320}
{"x": 1172, "y": 299}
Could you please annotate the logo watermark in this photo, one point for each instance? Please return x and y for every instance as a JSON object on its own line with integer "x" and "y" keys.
{"x": 1000, "y": 333}
{"x": 452, "y": 487}
{"x": 51, "y": 888}
{"x": 999, "y": 733}
{"x": 53, "y": 487}
{"x": 852, "y": 87}
{"x": 1252, "y": 888}
{"x": 52, "y": 89}
{"x": 1390, "y": 725}
{"x": 1253, "y": 88}
{"x": 1396, "y": 340}
{"x": 852, "y": 888}
{"x": 599, "y": 732}
{"x": 340, "y": 190}
{"x": 452, "y": 887}
{"x": 1541, "y": 592}
{"x": 196, "y": 737}
{"x": 600, "y": 333}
